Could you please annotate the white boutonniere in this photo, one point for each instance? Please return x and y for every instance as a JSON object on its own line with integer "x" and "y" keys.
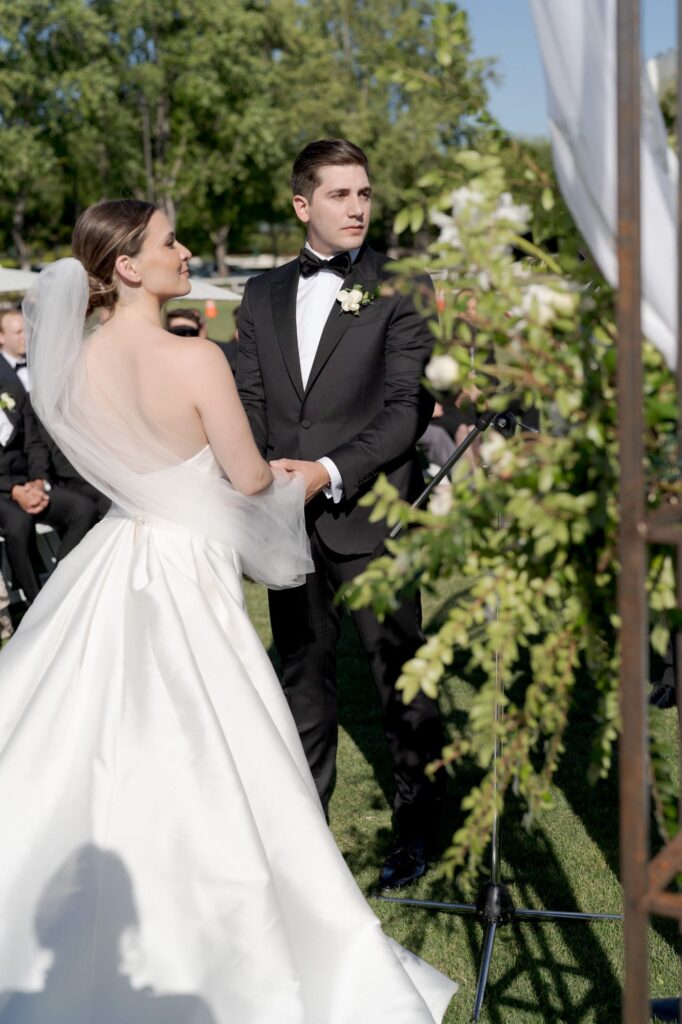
{"x": 6, "y": 401}
{"x": 353, "y": 299}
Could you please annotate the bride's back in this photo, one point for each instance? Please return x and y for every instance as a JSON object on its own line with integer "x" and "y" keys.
{"x": 139, "y": 370}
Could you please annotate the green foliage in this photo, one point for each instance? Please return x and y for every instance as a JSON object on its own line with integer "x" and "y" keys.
{"x": 532, "y": 531}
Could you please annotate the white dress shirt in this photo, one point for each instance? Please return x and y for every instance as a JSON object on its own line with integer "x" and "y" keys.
{"x": 314, "y": 301}
{"x": 22, "y": 372}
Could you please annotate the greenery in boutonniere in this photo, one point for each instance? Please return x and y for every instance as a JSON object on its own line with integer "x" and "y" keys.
{"x": 6, "y": 401}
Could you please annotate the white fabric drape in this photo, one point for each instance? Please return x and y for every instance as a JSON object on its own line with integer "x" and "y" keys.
{"x": 578, "y": 47}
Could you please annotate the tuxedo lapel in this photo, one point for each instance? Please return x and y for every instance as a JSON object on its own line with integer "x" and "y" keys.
{"x": 338, "y": 322}
{"x": 283, "y": 299}
{"x": 12, "y": 386}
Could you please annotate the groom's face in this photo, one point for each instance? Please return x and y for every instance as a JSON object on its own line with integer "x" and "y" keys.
{"x": 337, "y": 215}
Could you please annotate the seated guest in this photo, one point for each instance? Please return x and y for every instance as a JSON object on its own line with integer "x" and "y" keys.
{"x": 14, "y": 371}
{"x": 26, "y": 495}
{"x": 13, "y": 347}
{"x": 61, "y": 472}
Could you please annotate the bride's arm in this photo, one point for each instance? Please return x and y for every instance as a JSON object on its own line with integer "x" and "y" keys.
{"x": 222, "y": 414}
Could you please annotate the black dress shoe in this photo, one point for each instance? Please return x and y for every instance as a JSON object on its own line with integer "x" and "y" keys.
{"x": 663, "y": 696}
{"x": 406, "y": 862}
{"x": 665, "y": 1009}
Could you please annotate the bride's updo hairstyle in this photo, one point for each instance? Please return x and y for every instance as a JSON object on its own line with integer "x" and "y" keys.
{"x": 107, "y": 230}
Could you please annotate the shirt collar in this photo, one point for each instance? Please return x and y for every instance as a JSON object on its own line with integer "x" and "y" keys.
{"x": 353, "y": 252}
{"x": 10, "y": 359}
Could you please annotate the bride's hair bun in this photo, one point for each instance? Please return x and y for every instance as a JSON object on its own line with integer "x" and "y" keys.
{"x": 107, "y": 230}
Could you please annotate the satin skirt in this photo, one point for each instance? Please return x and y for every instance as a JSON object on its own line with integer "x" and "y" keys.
{"x": 164, "y": 856}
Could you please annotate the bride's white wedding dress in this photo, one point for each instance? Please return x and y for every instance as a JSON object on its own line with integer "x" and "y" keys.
{"x": 164, "y": 856}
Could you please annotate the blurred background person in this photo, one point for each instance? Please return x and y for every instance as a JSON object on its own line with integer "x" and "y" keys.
{"x": 189, "y": 323}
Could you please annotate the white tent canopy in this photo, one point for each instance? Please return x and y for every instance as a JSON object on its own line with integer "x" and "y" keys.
{"x": 16, "y": 280}
{"x": 202, "y": 290}
{"x": 21, "y": 280}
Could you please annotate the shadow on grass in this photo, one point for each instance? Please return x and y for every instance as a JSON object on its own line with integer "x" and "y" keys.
{"x": 597, "y": 806}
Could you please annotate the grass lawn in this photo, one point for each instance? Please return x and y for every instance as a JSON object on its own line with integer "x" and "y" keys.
{"x": 540, "y": 972}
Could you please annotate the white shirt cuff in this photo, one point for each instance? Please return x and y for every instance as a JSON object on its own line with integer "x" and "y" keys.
{"x": 335, "y": 489}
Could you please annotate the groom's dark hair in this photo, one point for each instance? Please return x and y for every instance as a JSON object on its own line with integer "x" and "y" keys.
{"x": 338, "y": 152}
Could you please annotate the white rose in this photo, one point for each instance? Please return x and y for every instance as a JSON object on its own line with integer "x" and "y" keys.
{"x": 442, "y": 371}
{"x": 6, "y": 401}
{"x": 350, "y": 299}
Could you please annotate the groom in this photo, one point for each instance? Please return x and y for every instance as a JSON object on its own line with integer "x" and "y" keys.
{"x": 336, "y": 396}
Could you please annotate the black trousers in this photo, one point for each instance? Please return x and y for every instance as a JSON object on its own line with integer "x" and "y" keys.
{"x": 306, "y": 626}
{"x": 79, "y": 486}
{"x": 71, "y": 515}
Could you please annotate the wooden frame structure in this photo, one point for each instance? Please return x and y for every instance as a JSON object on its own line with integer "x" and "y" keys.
{"x": 645, "y": 880}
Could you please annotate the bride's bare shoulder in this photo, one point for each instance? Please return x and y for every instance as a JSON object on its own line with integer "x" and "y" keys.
{"x": 196, "y": 355}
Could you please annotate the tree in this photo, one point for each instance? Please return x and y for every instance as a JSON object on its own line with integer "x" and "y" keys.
{"x": 395, "y": 76}
{"x": 54, "y": 81}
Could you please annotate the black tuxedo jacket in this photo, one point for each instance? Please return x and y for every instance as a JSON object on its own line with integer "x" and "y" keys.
{"x": 363, "y": 406}
{"x": 24, "y": 457}
{"x": 54, "y": 464}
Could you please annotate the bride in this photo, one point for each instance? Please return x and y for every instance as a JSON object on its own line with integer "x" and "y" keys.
{"x": 165, "y": 858}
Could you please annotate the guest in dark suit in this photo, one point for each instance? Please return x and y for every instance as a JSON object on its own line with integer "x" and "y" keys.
{"x": 335, "y": 394}
{"x": 14, "y": 372}
{"x": 26, "y": 496}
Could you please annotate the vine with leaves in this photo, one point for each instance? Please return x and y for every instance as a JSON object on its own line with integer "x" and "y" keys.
{"x": 531, "y": 532}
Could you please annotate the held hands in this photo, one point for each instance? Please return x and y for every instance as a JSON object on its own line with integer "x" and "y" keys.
{"x": 314, "y": 474}
{"x": 31, "y": 497}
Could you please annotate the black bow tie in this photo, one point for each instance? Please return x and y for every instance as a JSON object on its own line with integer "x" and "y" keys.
{"x": 20, "y": 366}
{"x": 311, "y": 264}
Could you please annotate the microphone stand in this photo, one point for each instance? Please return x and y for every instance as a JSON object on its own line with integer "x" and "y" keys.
{"x": 494, "y": 906}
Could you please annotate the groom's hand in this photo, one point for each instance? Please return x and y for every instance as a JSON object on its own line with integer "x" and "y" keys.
{"x": 314, "y": 474}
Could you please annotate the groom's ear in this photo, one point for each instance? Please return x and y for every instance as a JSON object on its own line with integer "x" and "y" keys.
{"x": 301, "y": 208}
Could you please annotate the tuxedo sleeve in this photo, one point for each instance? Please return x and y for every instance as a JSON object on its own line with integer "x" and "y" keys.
{"x": 248, "y": 377}
{"x": 9, "y": 477}
{"x": 35, "y": 449}
{"x": 407, "y": 406}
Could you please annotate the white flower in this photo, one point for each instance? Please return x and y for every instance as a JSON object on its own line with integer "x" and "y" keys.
{"x": 469, "y": 206}
{"x": 496, "y": 454}
{"x": 6, "y": 401}
{"x": 543, "y": 304}
{"x": 440, "y": 501}
{"x": 514, "y": 215}
{"x": 350, "y": 299}
{"x": 442, "y": 371}
{"x": 449, "y": 233}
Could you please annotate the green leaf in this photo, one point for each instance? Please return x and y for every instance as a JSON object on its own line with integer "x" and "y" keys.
{"x": 402, "y": 220}
{"x": 416, "y": 219}
{"x": 547, "y": 199}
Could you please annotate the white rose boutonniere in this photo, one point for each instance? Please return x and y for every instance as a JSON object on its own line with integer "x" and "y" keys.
{"x": 6, "y": 401}
{"x": 353, "y": 299}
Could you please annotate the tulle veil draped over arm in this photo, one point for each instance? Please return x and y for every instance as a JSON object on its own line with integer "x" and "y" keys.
{"x": 102, "y": 430}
